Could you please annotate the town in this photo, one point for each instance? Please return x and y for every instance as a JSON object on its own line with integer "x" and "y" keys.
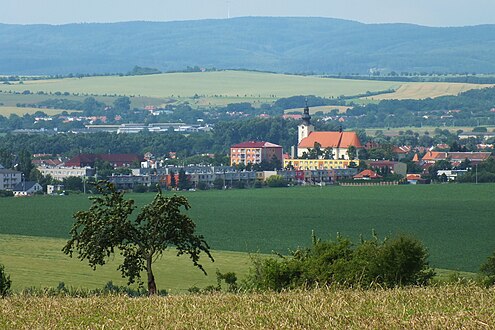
{"x": 320, "y": 158}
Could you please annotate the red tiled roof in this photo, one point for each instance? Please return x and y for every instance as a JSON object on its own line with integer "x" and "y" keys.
{"x": 367, "y": 174}
{"x": 414, "y": 177}
{"x": 256, "y": 144}
{"x": 435, "y": 155}
{"x": 331, "y": 140}
{"x": 469, "y": 155}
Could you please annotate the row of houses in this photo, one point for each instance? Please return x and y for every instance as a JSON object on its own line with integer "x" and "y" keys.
{"x": 229, "y": 176}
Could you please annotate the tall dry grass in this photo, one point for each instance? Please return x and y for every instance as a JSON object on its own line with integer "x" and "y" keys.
{"x": 445, "y": 307}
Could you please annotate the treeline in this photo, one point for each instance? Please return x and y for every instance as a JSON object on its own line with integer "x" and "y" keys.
{"x": 422, "y": 77}
{"x": 224, "y": 135}
{"x": 470, "y": 108}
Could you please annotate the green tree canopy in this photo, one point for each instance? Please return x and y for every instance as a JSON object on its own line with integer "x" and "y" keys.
{"x": 106, "y": 227}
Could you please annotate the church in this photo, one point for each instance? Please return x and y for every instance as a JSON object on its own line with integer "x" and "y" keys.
{"x": 323, "y": 150}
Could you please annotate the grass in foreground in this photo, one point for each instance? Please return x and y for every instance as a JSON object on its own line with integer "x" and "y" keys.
{"x": 445, "y": 307}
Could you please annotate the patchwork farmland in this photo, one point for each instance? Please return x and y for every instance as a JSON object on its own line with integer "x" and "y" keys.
{"x": 223, "y": 87}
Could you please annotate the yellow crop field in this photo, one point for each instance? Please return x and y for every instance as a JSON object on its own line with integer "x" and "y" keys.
{"x": 7, "y": 111}
{"x": 426, "y": 90}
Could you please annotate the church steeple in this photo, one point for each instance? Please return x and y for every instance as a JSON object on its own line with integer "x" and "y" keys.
{"x": 305, "y": 128}
{"x": 306, "y": 117}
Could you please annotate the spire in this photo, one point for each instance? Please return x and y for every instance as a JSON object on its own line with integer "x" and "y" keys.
{"x": 306, "y": 117}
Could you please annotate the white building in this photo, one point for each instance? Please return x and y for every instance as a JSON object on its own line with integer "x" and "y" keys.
{"x": 9, "y": 179}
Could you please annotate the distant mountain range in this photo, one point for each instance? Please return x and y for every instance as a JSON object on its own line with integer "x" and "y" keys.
{"x": 293, "y": 45}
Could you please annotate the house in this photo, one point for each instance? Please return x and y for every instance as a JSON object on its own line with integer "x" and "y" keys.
{"x": 451, "y": 175}
{"x": 27, "y": 188}
{"x": 474, "y": 157}
{"x": 415, "y": 179}
{"x": 401, "y": 151}
{"x": 433, "y": 156}
{"x": 388, "y": 166}
{"x": 455, "y": 157}
{"x": 9, "y": 178}
{"x": 367, "y": 175}
{"x": 254, "y": 152}
{"x": 62, "y": 172}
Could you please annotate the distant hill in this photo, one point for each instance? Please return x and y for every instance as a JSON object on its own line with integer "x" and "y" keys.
{"x": 294, "y": 45}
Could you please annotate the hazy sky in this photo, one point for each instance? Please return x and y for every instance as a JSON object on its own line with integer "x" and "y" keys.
{"x": 423, "y": 12}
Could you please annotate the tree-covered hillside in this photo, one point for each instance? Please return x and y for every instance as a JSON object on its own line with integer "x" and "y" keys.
{"x": 293, "y": 45}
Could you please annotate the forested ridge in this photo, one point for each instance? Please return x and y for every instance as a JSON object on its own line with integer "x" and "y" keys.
{"x": 280, "y": 44}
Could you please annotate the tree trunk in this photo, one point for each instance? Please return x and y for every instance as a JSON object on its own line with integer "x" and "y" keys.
{"x": 151, "y": 278}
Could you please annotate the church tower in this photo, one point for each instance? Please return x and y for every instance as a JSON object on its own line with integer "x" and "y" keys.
{"x": 305, "y": 128}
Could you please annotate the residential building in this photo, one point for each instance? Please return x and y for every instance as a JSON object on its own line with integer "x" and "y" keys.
{"x": 455, "y": 157}
{"x": 27, "y": 188}
{"x": 367, "y": 175}
{"x": 388, "y": 166}
{"x": 451, "y": 175}
{"x": 254, "y": 152}
{"x": 62, "y": 172}
{"x": 9, "y": 179}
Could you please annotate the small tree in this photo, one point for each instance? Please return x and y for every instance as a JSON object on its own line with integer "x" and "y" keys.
{"x": 5, "y": 282}
{"x": 106, "y": 226}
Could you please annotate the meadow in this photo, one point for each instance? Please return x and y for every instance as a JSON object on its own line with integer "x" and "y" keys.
{"x": 443, "y": 307}
{"x": 9, "y": 101}
{"x": 39, "y": 262}
{"x": 223, "y": 87}
{"x": 455, "y": 222}
{"x": 7, "y": 111}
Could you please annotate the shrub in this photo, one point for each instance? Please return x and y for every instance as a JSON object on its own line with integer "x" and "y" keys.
{"x": 392, "y": 262}
{"x": 202, "y": 186}
{"x": 139, "y": 188}
{"x": 5, "y": 193}
{"x": 487, "y": 269}
{"x": 5, "y": 282}
{"x": 276, "y": 181}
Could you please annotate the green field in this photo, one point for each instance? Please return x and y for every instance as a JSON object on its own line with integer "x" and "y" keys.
{"x": 9, "y": 101}
{"x": 39, "y": 262}
{"x": 224, "y": 83}
{"x": 7, "y": 111}
{"x": 455, "y": 222}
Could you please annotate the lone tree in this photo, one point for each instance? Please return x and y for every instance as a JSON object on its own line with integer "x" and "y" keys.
{"x": 107, "y": 226}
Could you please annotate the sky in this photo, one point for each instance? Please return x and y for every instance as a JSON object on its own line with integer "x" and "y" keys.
{"x": 422, "y": 12}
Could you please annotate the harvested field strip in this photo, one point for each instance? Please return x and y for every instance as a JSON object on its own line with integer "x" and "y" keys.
{"x": 445, "y": 307}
